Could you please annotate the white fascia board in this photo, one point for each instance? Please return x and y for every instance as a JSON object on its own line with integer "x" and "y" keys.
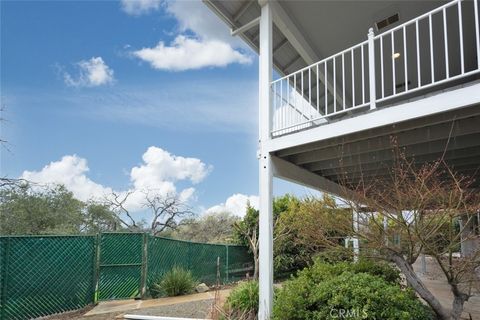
{"x": 438, "y": 103}
{"x": 288, "y": 171}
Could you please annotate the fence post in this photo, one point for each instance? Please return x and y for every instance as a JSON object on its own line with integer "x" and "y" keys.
{"x": 96, "y": 261}
{"x": 5, "y": 277}
{"x": 143, "y": 284}
{"x": 226, "y": 264}
{"x": 371, "y": 68}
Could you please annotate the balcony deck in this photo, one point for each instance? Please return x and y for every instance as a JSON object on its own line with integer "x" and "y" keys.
{"x": 435, "y": 51}
{"x": 333, "y": 118}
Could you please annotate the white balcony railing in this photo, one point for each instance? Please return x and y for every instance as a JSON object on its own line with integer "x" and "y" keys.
{"x": 438, "y": 47}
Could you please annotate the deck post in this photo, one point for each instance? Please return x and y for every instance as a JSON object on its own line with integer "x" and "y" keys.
{"x": 265, "y": 165}
{"x": 356, "y": 247}
{"x": 371, "y": 68}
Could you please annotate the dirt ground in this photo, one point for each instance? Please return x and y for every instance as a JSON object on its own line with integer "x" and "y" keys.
{"x": 435, "y": 281}
{"x": 193, "y": 309}
{"x": 197, "y": 306}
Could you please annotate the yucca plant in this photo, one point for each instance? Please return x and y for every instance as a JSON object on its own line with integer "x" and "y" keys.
{"x": 175, "y": 282}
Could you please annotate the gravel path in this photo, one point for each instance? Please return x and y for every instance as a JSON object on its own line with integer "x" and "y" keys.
{"x": 194, "y": 309}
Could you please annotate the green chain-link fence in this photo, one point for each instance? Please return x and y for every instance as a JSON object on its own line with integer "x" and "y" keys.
{"x": 44, "y": 275}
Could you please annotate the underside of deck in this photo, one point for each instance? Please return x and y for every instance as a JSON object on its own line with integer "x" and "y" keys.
{"x": 344, "y": 154}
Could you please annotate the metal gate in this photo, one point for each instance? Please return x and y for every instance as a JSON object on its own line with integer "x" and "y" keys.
{"x": 121, "y": 265}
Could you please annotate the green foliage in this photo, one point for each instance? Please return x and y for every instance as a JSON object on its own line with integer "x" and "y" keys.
{"x": 249, "y": 223}
{"x": 297, "y": 231}
{"x": 364, "y": 290}
{"x": 175, "y": 282}
{"x": 243, "y": 300}
{"x": 335, "y": 255}
{"x": 99, "y": 218}
{"x": 380, "y": 269}
{"x": 24, "y": 210}
{"x": 36, "y": 210}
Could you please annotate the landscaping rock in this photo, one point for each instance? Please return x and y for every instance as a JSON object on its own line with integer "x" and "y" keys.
{"x": 202, "y": 287}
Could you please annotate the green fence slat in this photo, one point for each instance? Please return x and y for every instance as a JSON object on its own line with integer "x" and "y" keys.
{"x": 48, "y": 275}
{"x": 45, "y": 275}
{"x": 121, "y": 257}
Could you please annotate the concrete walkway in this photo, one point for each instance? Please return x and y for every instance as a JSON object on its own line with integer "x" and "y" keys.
{"x": 106, "y": 307}
{"x": 436, "y": 282}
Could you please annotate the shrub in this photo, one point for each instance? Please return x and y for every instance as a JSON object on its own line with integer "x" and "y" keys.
{"x": 379, "y": 269}
{"x": 324, "y": 290}
{"x": 335, "y": 255}
{"x": 242, "y": 303}
{"x": 175, "y": 282}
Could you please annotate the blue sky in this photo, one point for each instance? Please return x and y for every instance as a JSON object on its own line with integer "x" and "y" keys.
{"x": 90, "y": 87}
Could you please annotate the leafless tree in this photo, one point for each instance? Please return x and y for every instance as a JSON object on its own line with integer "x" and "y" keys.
{"x": 166, "y": 210}
{"x": 416, "y": 211}
{"x": 117, "y": 203}
{"x": 9, "y": 182}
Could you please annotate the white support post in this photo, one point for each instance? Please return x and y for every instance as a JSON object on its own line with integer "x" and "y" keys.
{"x": 423, "y": 264}
{"x": 356, "y": 247}
{"x": 265, "y": 165}
{"x": 385, "y": 229}
{"x": 371, "y": 69}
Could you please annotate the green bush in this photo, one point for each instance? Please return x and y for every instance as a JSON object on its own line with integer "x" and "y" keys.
{"x": 335, "y": 255}
{"x": 242, "y": 303}
{"x": 380, "y": 269}
{"x": 360, "y": 291}
{"x": 175, "y": 282}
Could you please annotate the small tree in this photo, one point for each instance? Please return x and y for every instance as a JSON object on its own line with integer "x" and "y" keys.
{"x": 246, "y": 230}
{"x": 247, "y": 233}
{"x": 416, "y": 210}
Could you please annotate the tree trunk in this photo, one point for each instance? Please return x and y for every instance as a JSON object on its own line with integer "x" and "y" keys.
{"x": 418, "y": 286}
{"x": 255, "y": 258}
{"x": 458, "y": 302}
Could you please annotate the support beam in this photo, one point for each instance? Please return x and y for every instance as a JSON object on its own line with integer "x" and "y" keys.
{"x": 291, "y": 63}
{"x": 245, "y": 27}
{"x": 434, "y": 149}
{"x": 280, "y": 45}
{"x": 424, "y": 135}
{"x": 242, "y": 10}
{"x": 288, "y": 171}
{"x": 436, "y": 119}
{"x": 359, "y": 168}
{"x": 265, "y": 164}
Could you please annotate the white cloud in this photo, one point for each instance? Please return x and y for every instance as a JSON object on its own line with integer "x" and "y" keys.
{"x": 159, "y": 173}
{"x": 186, "y": 53}
{"x": 235, "y": 204}
{"x": 195, "y": 16}
{"x": 91, "y": 73}
{"x": 202, "y": 39}
{"x": 139, "y": 7}
{"x": 70, "y": 171}
{"x": 161, "y": 166}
